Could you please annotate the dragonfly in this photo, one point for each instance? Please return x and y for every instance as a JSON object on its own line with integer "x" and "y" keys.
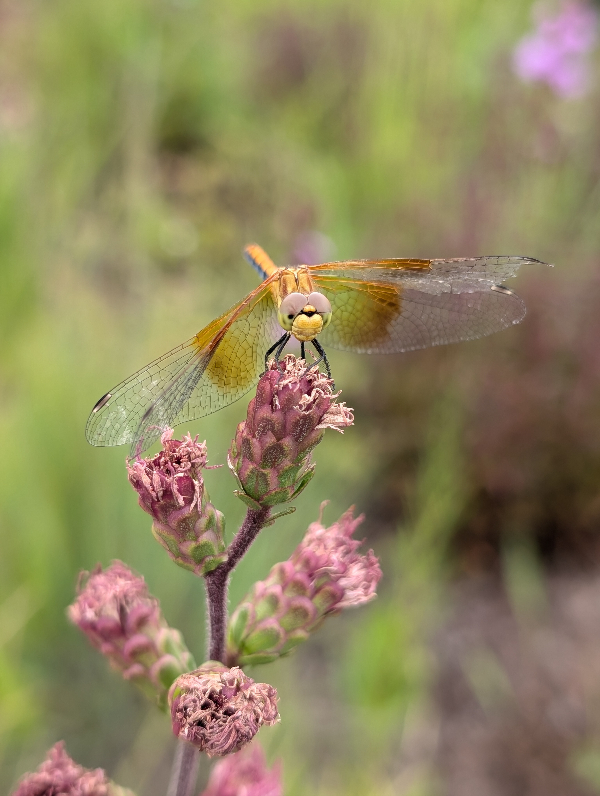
{"x": 365, "y": 306}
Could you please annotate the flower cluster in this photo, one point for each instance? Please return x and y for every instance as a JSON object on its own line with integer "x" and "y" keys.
{"x": 58, "y": 775}
{"x": 324, "y": 575}
{"x": 171, "y": 489}
{"x": 270, "y": 455}
{"x": 121, "y": 619}
{"x": 557, "y": 53}
{"x": 219, "y": 710}
{"x": 245, "y": 774}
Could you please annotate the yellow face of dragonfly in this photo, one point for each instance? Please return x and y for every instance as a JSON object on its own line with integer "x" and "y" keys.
{"x": 300, "y": 310}
{"x": 365, "y": 306}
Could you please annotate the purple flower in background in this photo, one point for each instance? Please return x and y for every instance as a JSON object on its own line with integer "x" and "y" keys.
{"x": 313, "y": 247}
{"x": 245, "y": 774}
{"x": 557, "y": 52}
{"x": 58, "y": 775}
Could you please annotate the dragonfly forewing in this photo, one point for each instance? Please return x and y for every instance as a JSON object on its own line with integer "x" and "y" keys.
{"x": 208, "y": 372}
{"x": 390, "y": 306}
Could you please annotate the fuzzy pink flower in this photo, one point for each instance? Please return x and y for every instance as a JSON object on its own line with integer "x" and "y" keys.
{"x": 245, "y": 774}
{"x": 324, "y": 575}
{"x": 58, "y": 775}
{"x": 557, "y": 53}
{"x": 329, "y": 555}
{"x": 122, "y": 619}
{"x": 219, "y": 710}
{"x": 286, "y": 420}
{"x": 171, "y": 489}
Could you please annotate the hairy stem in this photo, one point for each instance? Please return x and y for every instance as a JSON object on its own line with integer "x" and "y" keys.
{"x": 217, "y": 581}
{"x": 185, "y": 770}
{"x": 185, "y": 766}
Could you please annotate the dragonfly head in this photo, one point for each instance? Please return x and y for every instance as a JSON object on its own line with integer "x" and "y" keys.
{"x": 304, "y": 316}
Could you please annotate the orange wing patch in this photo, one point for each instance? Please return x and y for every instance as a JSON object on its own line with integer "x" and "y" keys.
{"x": 232, "y": 364}
{"x": 395, "y": 263}
{"x": 236, "y": 349}
{"x": 362, "y": 312}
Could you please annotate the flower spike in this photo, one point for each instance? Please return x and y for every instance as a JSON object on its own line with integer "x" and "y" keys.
{"x": 270, "y": 455}
{"x": 122, "y": 619}
{"x": 324, "y": 575}
{"x": 171, "y": 489}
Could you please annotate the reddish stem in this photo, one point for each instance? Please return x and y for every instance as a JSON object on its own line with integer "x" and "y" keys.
{"x": 217, "y": 581}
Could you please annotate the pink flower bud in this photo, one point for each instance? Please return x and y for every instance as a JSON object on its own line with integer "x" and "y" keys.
{"x": 171, "y": 489}
{"x": 219, "y": 710}
{"x": 245, "y": 774}
{"x": 324, "y": 575}
{"x": 122, "y": 619}
{"x": 270, "y": 455}
{"x": 58, "y": 775}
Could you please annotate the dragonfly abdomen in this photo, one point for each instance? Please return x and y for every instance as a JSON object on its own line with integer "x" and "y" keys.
{"x": 260, "y": 261}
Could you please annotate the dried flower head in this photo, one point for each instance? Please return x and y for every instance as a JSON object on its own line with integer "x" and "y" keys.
{"x": 122, "y": 619}
{"x": 245, "y": 774}
{"x": 58, "y": 775}
{"x": 324, "y": 575}
{"x": 270, "y": 455}
{"x": 219, "y": 710}
{"x": 171, "y": 489}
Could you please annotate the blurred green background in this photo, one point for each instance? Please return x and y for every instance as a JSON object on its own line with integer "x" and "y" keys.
{"x": 142, "y": 144}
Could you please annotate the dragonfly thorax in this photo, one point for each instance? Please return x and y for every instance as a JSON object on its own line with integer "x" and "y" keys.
{"x": 304, "y": 316}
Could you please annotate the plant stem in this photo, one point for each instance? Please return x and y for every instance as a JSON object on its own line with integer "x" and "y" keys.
{"x": 217, "y": 581}
{"x": 185, "y": 770}
{"x": 185, "y": 766}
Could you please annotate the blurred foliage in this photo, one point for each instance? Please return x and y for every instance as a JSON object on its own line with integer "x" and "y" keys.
{"x": 142, "y": 144}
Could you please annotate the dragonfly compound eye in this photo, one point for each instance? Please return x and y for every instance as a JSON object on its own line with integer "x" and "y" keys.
{"x": 291, "y": 305}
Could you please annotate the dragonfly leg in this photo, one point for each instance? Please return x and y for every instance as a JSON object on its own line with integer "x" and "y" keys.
{"x": 280, "y": 345}
{"x": 322, "y": 358}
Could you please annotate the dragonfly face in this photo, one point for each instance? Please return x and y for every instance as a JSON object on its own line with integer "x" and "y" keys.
{"x": 365, "y": 306}
{"x": 304, "y": 316}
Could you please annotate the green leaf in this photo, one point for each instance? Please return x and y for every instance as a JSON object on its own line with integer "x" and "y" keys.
{"x": 258, "y": 658}
{"x": 276, "y": 497}
{"x": 250, "y": 502}
{"x": 272, "y": 519}
{"x": 237, "y": 626}
{"x": 263, "y": 640}
{"x": 304, "y": 481}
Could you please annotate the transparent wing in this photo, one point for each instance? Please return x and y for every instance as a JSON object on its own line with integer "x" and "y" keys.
{"x": 238, "y": 360}
{"x": 208, "y": 372}
{"x": 493, "y": 269}
{"x": 388, "y": 306}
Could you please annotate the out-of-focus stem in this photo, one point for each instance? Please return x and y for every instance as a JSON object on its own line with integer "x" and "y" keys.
{"x": 185, "y": 770}
{"x": 217, "y": 581}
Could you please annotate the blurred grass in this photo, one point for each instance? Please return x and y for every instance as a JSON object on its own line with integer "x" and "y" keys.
{"x": 142, "y": 144}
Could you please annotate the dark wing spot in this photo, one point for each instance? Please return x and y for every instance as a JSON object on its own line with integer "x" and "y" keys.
{"x": 102, "y": 402}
